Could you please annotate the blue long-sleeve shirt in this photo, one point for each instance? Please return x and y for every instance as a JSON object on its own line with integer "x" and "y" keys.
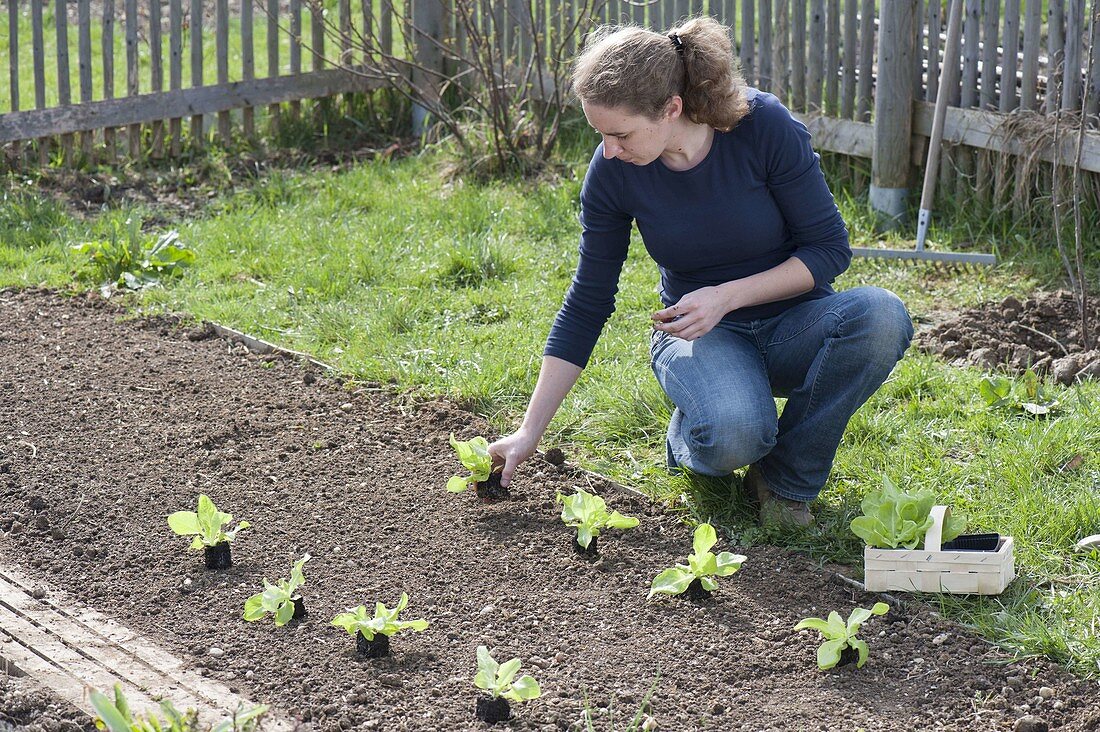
{"x": 757, "y": 199}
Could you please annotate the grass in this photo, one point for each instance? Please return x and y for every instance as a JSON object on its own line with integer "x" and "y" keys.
{"x": 391, "y": 271}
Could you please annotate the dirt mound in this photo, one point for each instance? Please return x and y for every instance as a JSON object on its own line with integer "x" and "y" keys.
{"x": 1042, "y": 333}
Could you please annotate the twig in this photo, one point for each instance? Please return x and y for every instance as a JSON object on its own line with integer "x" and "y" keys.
{"x": 1050, "y": 338}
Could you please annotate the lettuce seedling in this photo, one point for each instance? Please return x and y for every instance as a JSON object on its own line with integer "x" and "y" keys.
{"x": 115, "y": 716}
{"x": 474, "y": 454}
{"x": 497, "y": 679}
{"x": 280, "y": 599}
{"x": 702, "y": 565}
{"x": 893, "y": 518}
{"x": 205, "y": 524}
{"x": 589, "y": 514}
{"x": 377, "y": 630}
{"x": 840, "y": 635}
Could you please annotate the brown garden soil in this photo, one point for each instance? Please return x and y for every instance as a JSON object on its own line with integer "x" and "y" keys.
{"x": 27, "y": 706}
{"x": 108, "y": 425}
{"x": 1042, "y": 333}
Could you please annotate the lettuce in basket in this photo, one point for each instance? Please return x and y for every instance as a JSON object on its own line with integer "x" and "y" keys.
{"x": 894, "y": 519}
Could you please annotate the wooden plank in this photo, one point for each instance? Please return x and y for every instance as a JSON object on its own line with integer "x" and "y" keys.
{"x": 1074, "y": 58}
{"x": 296, "y": 50}
{"x": 1029, "y": 70}
{"x": 1093, "y": 78}
{"x": 766, "y": 54}
{"x": 84, "y": 65}
{"x": 221, "y": 56}
{"x": 71, "y": 647}
{"x": 991, "y": 10}
{"x": 38, "y": 51}
{"x": 366, "y": 35}
{"x": 798, "y": 54}
{"x": 918, "y": 56}
{"x": 385, "y": 22}
{"x": 864, "y": 100}
{"x": 935, "y": 20}
{"x": 1011, "y": 36}
{"x": 815, "y": 68}
{"x": 971, "y": 36}
{"x": 175, "y": 68}
{"x": 832, "y": 57}
{"x": 145, "y": 108}
{"x": 843, "y": 136}
{"x": 1056, "y": 41}
{"x": 64, "y": 89}
{"x": 156, "y": 71}
{"x": 781, "y": 53}
{"x": 849, "y": 56}
{"x": 107, "y": 40}
{"x": 248, "y": 65}
{"x": 982, "y": 130}
{"x": 198, "y": 134}
{"x": 273, "y": 33}
{"x": 13, "y": 61}
{"x": 344, "y": 16}
{"x": 317, "y": 51}
{"x": 729, "y": 17}
{"x": 748, "y": 43}
{"x": 133, "y": 86}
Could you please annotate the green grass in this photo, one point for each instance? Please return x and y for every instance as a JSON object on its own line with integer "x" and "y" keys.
{"x": 390, "y": 271}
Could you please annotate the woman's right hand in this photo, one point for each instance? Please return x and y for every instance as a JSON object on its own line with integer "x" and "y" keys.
{"x": 512, "y": 450}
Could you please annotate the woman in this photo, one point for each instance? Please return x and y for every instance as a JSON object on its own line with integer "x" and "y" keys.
{"x": 730, "y": 201}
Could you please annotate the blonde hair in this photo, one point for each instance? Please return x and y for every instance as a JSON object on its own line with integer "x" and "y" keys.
{"x": 640, "y": 70}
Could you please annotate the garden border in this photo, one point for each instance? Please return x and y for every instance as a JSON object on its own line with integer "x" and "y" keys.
{"x": 69, "y": 647}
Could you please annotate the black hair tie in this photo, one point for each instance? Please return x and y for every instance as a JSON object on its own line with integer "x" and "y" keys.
{"x": 677, "y": 42}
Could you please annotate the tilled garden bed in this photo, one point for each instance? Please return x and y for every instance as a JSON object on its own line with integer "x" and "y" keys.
{"x": 107, "y": 426}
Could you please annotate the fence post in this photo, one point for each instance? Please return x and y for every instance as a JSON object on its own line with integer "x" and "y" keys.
{"x": 427, "y": 35}
{"x": 893, "y": 109}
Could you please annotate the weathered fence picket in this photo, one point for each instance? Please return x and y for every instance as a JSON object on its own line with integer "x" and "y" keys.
{"x": 248, "y": 65}
{"x": 849, "y": 59}
{"x": 832, "y": 58}
{"x": 175, "y": 69}
{"x": 198, "y": 134}
{"x": 748, "y": 44}
{"x": 1009, "y": 99}
{"x": 1029, "y": 82}
{"x": 764, "y": 57}
{"x": 798, "y": 54}
{"x": 107, "y": 44}
{"x": 84, "y": 68}
{"x": 133, "y": 84}
{"x": 13, "y": 65}
{"x": 156, "y": 72}
{"x": 815, "y": 65}
{"x": 866, "y": 59}
{"x": 1056, "y": 18}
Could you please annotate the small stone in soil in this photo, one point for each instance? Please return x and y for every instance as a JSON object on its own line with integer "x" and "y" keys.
{"x": 216, "y": 652}
{"x": 1030, "y": 723}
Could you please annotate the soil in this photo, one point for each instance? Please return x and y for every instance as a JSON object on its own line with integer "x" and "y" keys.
{"x": 28, "y": 707}
{"x": 109, "y": 425}
{"x": 1042, "y": 333}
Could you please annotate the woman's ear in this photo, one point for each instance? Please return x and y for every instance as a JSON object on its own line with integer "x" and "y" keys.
{"x": 674, "y": 107}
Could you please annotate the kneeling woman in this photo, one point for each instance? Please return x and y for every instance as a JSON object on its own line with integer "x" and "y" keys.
{"x": 731, "y": 203}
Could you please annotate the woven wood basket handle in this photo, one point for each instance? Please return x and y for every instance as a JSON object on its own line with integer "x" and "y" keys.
{"x": 933, "y": 538}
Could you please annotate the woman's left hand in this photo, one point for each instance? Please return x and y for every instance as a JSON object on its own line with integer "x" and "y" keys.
{"x": 694, "y": 315}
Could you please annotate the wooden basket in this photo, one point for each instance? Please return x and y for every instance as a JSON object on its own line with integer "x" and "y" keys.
{"x": 933, "y": 570}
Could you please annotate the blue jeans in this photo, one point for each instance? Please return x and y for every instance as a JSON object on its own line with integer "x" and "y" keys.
{"x": 825, "y": 356}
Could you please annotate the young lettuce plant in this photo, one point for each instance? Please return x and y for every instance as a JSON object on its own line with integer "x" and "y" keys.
{"x": 474, "y": 455}
{"x": 501, "y": 683}
{"x": 589, "y": 514}
{"x": 372, "y": 634}
{"x": 115, "y": 716}
{"x": 841, "y": 643}
{"x": 893, "y": 518}
{"x": 697, "y": 577}
{"x": 205, "y": 525}
{"x": 281, "y": 599}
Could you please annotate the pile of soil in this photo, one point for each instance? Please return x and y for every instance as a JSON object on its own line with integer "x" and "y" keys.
{"x": 106, "y": 426}
{"x": 28, "y": 707}
{"x": 1042, "y": 333}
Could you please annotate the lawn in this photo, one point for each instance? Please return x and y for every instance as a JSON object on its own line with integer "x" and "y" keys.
{"x": 392, "y": 272}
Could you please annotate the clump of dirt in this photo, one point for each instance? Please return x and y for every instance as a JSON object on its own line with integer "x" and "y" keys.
{"x": 1041, "y": 333}
{"x": 27, "y": 706}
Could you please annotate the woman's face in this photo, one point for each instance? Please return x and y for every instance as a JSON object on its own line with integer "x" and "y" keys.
{"x": 632, "y": 138}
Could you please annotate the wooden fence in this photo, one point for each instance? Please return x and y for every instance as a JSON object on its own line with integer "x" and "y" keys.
{"x": 831, "y": 61}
